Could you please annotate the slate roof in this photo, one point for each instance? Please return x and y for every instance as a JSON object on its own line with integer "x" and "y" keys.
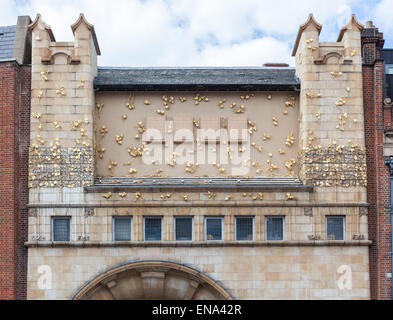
{"x": 7, "y": 37}
{"x": 247, "y": 78}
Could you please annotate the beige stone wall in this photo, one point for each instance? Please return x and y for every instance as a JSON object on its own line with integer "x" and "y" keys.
{"x": 246, "y": 273}
{"x": 303, "y": 221}
{"x": 260, "y": 108}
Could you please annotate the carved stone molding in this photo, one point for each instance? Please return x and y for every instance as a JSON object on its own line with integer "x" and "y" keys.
{"x": 308, "y": 211}
{"x": 314, "y": 237}
{"x": 33, "y": 212}
{"x": 363, "y": 211}
{"x": 89, "y": 212}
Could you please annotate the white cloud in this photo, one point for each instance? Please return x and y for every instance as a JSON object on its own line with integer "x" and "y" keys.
{"x": 187, "y": 32}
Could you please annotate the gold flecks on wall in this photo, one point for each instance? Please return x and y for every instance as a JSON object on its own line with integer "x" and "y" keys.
{"x": 122, "y": 194}
{"x": 348, "y": 89}
{"x": 57, "y": 125}
{"x": 211, "y": 195}
{"x": 247, "y": 96}
{"x": 269, "y": 97}
{"x": 36, "y": 115}
{"x": 266, "y": 137}
{"x": 107, "y": 195}
{"x": 313, "y": 95}
{"x": 281, "y": 151}
{"x": 38, "y": 38}
{"x": 39, "y": 96}
{"x": 340, "y": 102}
{"x": 81, "y": 84}
{"x": 275, "y": 121}
{"x": 290, "y": 196}
{"x": 44, "y": 75}
{"x": 336, "y": 74}
{"x": 138, "y": 195}
{"x": 103, "y": 130}
{"x": 132, "y": 171}
{"x": 124, "y": 117}
{"x": 355, "y": 120}
{"x": 221, "y": 103}
{"x": 111, "y": 167}
{"x": 353, "y": 52}
{"x": 252, "y": 126}
{"x": 312, "y": 48}
{"x": 160, "y": 112}
{"x": 199, "y": 98}
{"x": 119, "y": 139}
{"x": 342, "y": 119}
{"x": 40, "y": 139}
{"x": 182, "y": 99}
{"x": 167, "y": 101}
{"x": 196, "y": 124}
{"x": 61, "y": 91}
{"x": 75, "y": 125}
{"x": 147, "y": 102}
{"x": 318, "y": 115}
{"x": 228, "y": 197}
{"x": 186, "y": 197}
{"x": 290, "y": 140}
{"x": 285, "y": 112}
{"x": 310, "y": 40}
{"x": 101, "y": 152}
{"x": 99, "y": 106}
{"x": 289, "y": 165}
{"x": 130, "y": 102}
{"x": 290, "y": 102}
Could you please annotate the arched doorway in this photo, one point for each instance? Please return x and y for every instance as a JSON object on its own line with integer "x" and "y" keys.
{"x": 145, "y": 280}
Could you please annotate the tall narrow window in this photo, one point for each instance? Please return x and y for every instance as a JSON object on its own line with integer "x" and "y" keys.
{"x": 214, "y": 228}
{"x": 153, "y": 228}
{"x": 61, "y": 228}
{"x": 183, "y": 229}
{"x": 244, "y": 228}
{"x": 122, "y": 228}
{"x": 275, "y": 228}
{"x": 335, "y": 227}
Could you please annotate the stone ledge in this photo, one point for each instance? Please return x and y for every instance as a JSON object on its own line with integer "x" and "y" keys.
{"x": 131, "y": 244}
{"x": 211, "y": 203}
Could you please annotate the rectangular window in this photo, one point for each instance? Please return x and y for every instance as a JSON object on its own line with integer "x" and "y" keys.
{"x": 153, "y": 228}
{"x": 244, "y": 228}
{"x": 122, "y": 228}
{"x": 335, "y": 226}
{"x": 61, "y": 227}
{"x": 275, "y": 228}
{"x": 183, "y": 229}
{"x": 214, "y": 228}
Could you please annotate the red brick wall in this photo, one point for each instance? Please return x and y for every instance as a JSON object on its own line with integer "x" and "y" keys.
{"x": 14, "y": 143}
{"x": 378, "y": 190}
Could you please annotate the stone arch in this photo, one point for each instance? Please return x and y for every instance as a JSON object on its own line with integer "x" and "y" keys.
{"x": 148, "y": 280}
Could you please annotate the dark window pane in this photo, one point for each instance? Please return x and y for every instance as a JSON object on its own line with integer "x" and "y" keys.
{"x": 275, "y": 228}
{"x": 244, "y": 228}
{"x": 61, "y": 229}
{"x": 152, "y": 229}
{"x": 183, "y": 229}
{"x": 122, "y": 229}
{"x": 335, "y": 228}
{"x": 214, "y": 229}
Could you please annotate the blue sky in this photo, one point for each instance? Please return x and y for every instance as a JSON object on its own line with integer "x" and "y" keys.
{"x": 199, "y": 32}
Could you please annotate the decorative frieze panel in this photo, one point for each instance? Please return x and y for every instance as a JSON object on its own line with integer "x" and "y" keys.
{"x": 63, "y": 167}
{"x": 335, "y": 166}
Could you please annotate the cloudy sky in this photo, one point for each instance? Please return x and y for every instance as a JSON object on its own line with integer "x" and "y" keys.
{"x": 198, "y": 32}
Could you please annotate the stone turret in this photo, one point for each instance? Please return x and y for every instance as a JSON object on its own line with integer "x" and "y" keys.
{"x": 62, "y": 103}
{"x": 331, "y": 111}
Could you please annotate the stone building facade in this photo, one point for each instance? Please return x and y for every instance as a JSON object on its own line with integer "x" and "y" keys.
{"x": 15, "y": 58}
{"x": 119, "y": 163}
